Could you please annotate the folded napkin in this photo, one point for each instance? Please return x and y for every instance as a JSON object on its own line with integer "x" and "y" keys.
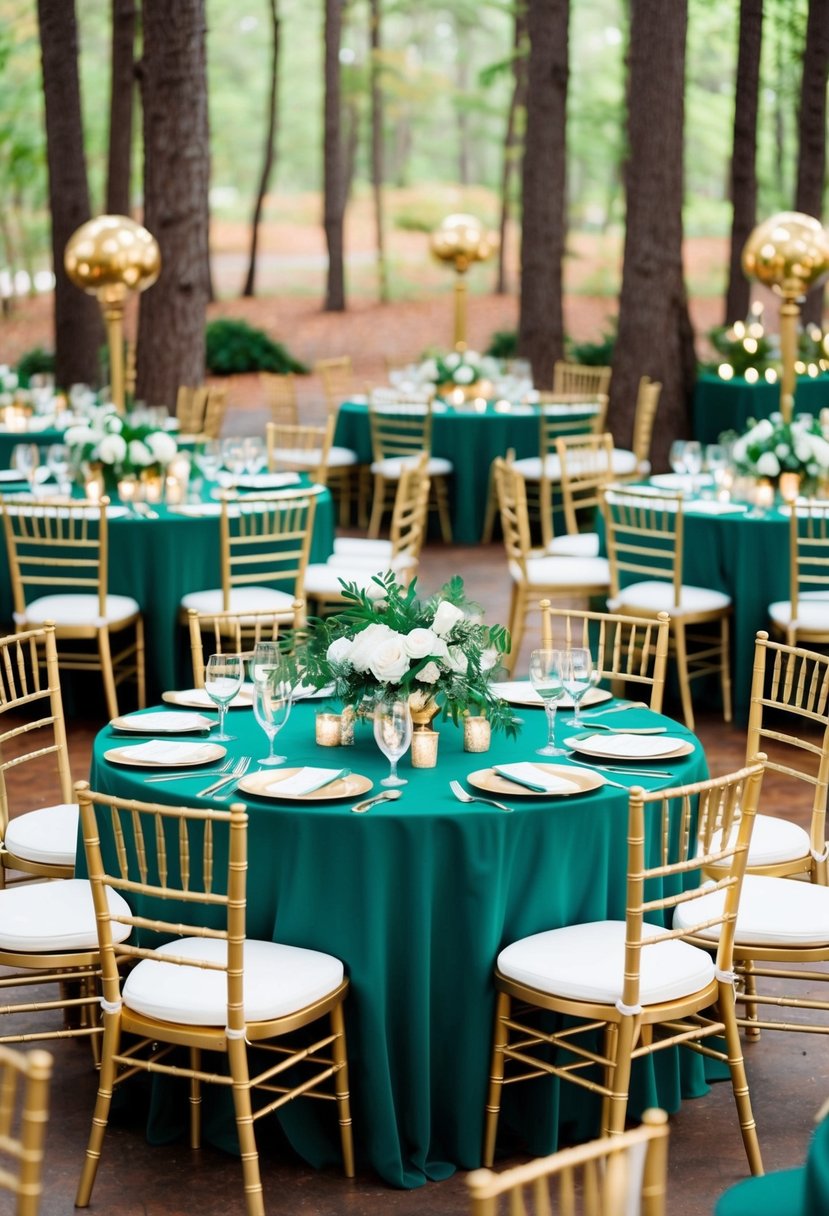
{"x": 163, "y": 751}
{"x": 710, "y": 506}
{"x": 199, "y": 697}
{"x": 521, "y": 689}
{"x": 627, "y": 745}
{"x": 534, "y": 778}
{"x": 305, "y": 781}
{"x": 265, "y": 481}
{"x": 167, "y": 720}
{"x": 198, "y": 510}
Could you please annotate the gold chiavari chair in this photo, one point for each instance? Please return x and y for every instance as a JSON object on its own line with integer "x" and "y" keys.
{"x": 636, "y": 464}
{"x": 337, "y": 375}
{"x": 644, "y": 532}
{"x": 24, "y": 1113}
{"x": 346, "y": 476}
{"x": 627, "y": 650}
{"x": 200, "y": 410}
{"x": 399, "y": 434}
{"x": 585, "y": 472}
{"x": 580, "y": 378}
{"x": 804, "y": 617}
{"x": 63, "y": 549}
{"x": 208, "y": 989}
{"x": 609, "y": 1177}
{"x": 303, "y": 449}
{"x": 534, "y": 574}
{"x": 40, "y": 842}
{"x": 233, "y": 633}
{"x": 629, "y": 988}
{"x": 264, "y": 541}
{"x": 280, "y": 396}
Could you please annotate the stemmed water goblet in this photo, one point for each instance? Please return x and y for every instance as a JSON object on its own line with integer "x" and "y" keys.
{"x": 692, "y": 456}
{"x": 577, "y": 678}
{"x": 59, "y": 465}
{"x": 265, "y": 659}
{"x": 256, "y": 456}
{"x": 272, "y": 701}
{"x": 222, "y": 681}
{"x": 546, "y": 679}
{"x": 393, "y": 735}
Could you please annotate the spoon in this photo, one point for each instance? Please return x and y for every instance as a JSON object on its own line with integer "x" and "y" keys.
{"x": 386, "y": 796}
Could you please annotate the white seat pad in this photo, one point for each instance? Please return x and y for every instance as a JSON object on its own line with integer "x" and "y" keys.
{"x": 341, "y": 457}
{"x": 812, "y": 611}
{"x": 278, "y": 981}
{"x": 623, "y": 462}
{"x": 566, "y": 572}
{"x": 368, "y": 562}
{"x": 655, "y": 596}
{"x": 529, "y": 467}
{"x": 41, "y": 917}
{"x": 773, "y": 840}
{"x": 393, "y": 466}
{"x": 587, "y": 962}
{"x": 581, "y": 544}
{"x": 242, "y": 599}
{"x": 78, "y": 610}
{"x": 772, "y": 912}
{"x": 361, "y": 546}
{"x": 325, "y": 579}
{"x": 48, "y": 835}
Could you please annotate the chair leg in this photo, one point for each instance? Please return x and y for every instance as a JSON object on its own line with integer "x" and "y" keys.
{"x": 682, "y": 673}
{"x": 545, "y": 512}
{"x": 496, "y": 1076}
{"x": 752, "y": 1012}
{"x": 491, "y": 510}
{"x": 725, "y": 667}
{"x": 238, "y": 1060}
{"x": 140, "y": 663}
{"x": 517, "y": 614}
{"x": 341, "y": 1089}
{"x": 377, "y": 507}
{"x": 739, "y": 1081}
{"x": 627, "y": 1033}
{"x": 106, "y": 671}
{"x": 195, "y": 1099}
{"x": 441, "y": 496}
{"x": 100, "y": 1115}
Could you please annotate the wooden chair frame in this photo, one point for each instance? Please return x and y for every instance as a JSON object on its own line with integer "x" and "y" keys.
{"x": 644, "y": 416}
{"x": 659, "y": 873}
{"x": 336, "y": 374}
{"x": 233, "y": 633}
{"x": 401, "y": 432}
{"x": 302, "y": 449}
{"x": 170, "y": 857}
{"x": 280, "y": 394}
{"x": 586, "y": 463}
{"x": 580, "y": 377}
{"x": 24, "y": 1112}
{"x": 200, "y": 410}
{"x": 808, "y": 566}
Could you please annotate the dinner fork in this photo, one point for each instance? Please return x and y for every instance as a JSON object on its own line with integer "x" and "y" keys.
{"x": 225, "y": 767}
{"x": 463, "y": 795}
{"x": 232, "y": 785}
{"x": 238, "y": 770}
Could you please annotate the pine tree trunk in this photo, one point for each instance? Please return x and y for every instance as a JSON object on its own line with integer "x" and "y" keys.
{"x": 744, "y": 156}
{"x": 79, "y": 332}
{"x": 333, "y": 166}
{"x": 269, "y": 156}
{"x": 541, "y": 326}
{"x": 518, "y": 101}
{"x": 176, "y": 181}
{"x": 655, "y": 335}
{"x": 377, "y": 151}
{"x": 121, "y": 107}
{"x": 811, "y": 153}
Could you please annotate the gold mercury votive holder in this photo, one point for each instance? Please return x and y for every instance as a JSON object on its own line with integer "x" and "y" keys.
{"x": 327, "y": 730}
{"x": 424, "y": 748}
{"x": 477, "y": 734}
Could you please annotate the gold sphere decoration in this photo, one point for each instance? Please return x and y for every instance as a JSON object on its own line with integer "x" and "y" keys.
{"x": 462, "y": 240}
{"x": 789, "y": 253}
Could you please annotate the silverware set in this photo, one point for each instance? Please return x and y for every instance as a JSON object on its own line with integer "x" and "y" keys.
{"x": 225, "y": 767}
{"x": 231, "y": 779}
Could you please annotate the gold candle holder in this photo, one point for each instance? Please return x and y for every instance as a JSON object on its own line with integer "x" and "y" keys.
{"x": 424, "y": 748}
{"x": 789, "y": 486}
{"x": 327, "y": 730}
{"x": 764, "y": 495}
{"x": 477, "y": 734}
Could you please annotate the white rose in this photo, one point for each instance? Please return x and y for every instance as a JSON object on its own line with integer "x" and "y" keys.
{"x": 446, "y": 617}
{"x": 489, "y": 658}
{"x": 429, "y": 674}
{"x": 364, "y": 644}
{"x": 428, "y": 369}
{"x": 112, "y": 424}
{"x": 140, "y": 454}
{"x": 464, "y": 375}
{"x": 10, "y": 381}
{"x": 162, "y": 446}
{"x": 389, "y": 661}
{"x": 76, "y": 435}
{"x": 768, "y": 465}
{"x": 457, "y": 660}
{"x": 820, "y": 450}
{"x": 763, "y": 430}
{"x": 339, "y": 651}
{"x": 420, "y": 642}
{"x": 802, "y": 449}
{"x": 112, "y": 449}
{"x": 472, "y": 358}
{"x": 739, "y": 450}
{"x": 781, "y": 451}
{"x": 452, "y": 360}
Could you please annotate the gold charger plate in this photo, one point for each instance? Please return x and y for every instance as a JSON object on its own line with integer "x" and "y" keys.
{"x": 135, "y": 723}
{"x": 490, "y": 781}
{"x": 521, "y": 692}
{"x": 344, "y": 787}
{"x": 197, "y": 698}
{"x": 683, "y": 748}
{"x": 121, "y": 755}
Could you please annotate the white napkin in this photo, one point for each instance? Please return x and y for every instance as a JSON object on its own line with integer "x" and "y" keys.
{"x": 520, "y": 689}
{"x": 163, "y": 751}
{"x": 710, "y": 506}
{"x": 198, "y": 510}
{"x": 199, "y": 697}
{"x": 534, "y": 778}
{"x": 265, "y": 481}
{"x": 627, "y": 745}
{"x": 168, "y": 720}
{"x": 306, "y": 692}
{"x": 304, "y": 781}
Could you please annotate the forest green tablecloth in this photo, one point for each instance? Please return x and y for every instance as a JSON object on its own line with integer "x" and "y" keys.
{"x": 10, "y": 439}
{"x": 726, "y": 405}
{"x": 417, "y": 897}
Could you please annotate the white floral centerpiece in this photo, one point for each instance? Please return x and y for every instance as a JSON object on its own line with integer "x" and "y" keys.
{"x": 390, "y": 643}
{"x": 771, "y": 447}
{"x": 119, "y": 444}
{"x": 458, "y": 369}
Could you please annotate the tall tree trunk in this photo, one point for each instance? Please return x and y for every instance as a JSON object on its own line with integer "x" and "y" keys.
{"x": 377, "y": 149}
{"x": 176, "y": 181}
{"x": 79, "y": 330}
{"x": 655, "y": 335}
{"x": 461, "y": 111}
{"x": 512, "y": 143}
{"x": 811, "y": 152}
{"x": 270, "y": 152}
{"x": 334, "y": 187}
{"x": 744, "y": 156}
{"x": 121, "y": 107}
{"x": 541, "y": 325}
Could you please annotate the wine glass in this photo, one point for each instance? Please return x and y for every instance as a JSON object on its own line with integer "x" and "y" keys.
{"x": 59, "y": 464}
{"x": 393, "y": 734}
{"x": 209, "y": 459}
{"x": 222, "y": 681}
{"x": 272, "y": 700}
{"x": 693, "y": 461}
{"x": 576, "y": 673}
{"x": 676, "y": 457}
{"x": 265, "y": 660}
{"x": 25, "y": 459}
{"x": 256, "y": 456}
{"x": 545, "y": 677}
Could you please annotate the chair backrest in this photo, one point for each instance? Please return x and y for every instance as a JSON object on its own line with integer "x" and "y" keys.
{"x": 515, "y": 520}
{"x": 614, "y": 1176}
{"x": 56, "y": 548}
{"x": 200, "y": 409}
{"x": 265, "y": 540}
{"x": 191, "y": 862}
{"x": 631, "y": 649}
{"x": 336, "y": 374}
{"x": 789, "y": 718}
{"x": 411, "y": 508}
{"x": 24, "y": 1113}
{"x": 580, "y": 378}
{"x": 280, "y": 396}
{"x": 562, "y": 414}
{"x": 647, "y": 402}
{"x": 233, "y": 633}
{"x": 809, "y": 551}
{"x": 586, "y": 471}
{"x": 400, "y": 430}
{"x": 303, "y": 448}
{"x": 644, "y": 532}
{"x": 37, "y": 729}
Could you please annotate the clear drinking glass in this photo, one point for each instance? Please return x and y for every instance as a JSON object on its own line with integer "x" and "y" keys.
{"x": 693, "y": 461}
{"x": 222, "y": 681}
{"x": 545, "y": 677}
{"x": 576, "y": 676}
{"x": 59, "y": 464}
{"x": 209, "y": 459}
{"x": 256, "y": 456}
{"x": 393, "y": 734}
{"x": 272, "y": 700}
{"x": 676, "y": 456}
{"x": 25, "y": 459}
{"x": 265, "y": 660}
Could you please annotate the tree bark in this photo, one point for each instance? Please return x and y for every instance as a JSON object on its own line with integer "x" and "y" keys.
{"x": 377, "y": 149}
{"x": 655, "y": 336}
{"x": 121, "y": 107}
{"x": 541, "y": 325}
{"x": 744, "y": 156}
{"x": 176, "y": 180}
{"x": 518, "y": 101}
{"x": 333, "y": 167}
{"x": 811, "y": 152}
{"x": 79, "y": 331}
{"x": 269, "y": 156}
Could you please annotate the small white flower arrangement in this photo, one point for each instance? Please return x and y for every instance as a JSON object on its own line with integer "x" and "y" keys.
{"x": 771, "y": 447}
{"x": 460, "y": 368}
{"x": 117, "y": 442}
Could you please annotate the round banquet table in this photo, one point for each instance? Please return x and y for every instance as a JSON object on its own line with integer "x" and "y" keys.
{"x": 417, "y": 897}
{"x": 44, "y": 437}
{"x": 471, "y": 439}
{"x": 727, "y": 405}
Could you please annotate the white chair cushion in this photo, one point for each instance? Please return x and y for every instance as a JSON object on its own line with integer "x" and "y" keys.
{"x": 529, "y": 467}
{"x": 48, "y": 835}
{"x": 582, "y": 544}
{"x": 773, "y": 840}
{"x": 308, "y": 458}
{"x": 360, "y": 546}
{"x": 325, "y": 579}
{"x": 623, "y": 462}
{"x": 587, "y": 962}
{"x": 772, "y": 912}
{"x": 77, "y": 610}
{"x": 812, "y": 611}
{"x": 41, "y": 917}
{"x": 341, "y": 457}
{"x": 393, "y": 466}
{"x": 242, "y": 599}
{"x": 372, "y": 563}
{"x": 565, "y": 572}
{"x": 654, "y": 596}
{"x": 279, "y": 980}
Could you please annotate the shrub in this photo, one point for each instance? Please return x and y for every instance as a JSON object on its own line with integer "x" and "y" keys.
{"x": 595, "y": 354}
{"x": 34, "y": 363}
{"x": 235, "y": 347}
{"x": 503, "y": 344}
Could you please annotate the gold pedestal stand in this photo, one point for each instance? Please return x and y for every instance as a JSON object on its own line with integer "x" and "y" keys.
{"x": 461, "y": 240}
